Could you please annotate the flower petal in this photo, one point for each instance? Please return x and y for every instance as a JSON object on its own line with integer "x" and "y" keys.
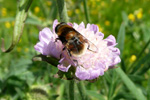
{"x": 39, "y": 47}
{"x": 55, "y": 24}
{"x": 82, "y": 73}
{"x": 111, "y": 41}
{"x": 45, "y": 35}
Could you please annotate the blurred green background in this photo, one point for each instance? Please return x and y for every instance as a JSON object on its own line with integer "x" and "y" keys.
{"x": 20, "y": 77}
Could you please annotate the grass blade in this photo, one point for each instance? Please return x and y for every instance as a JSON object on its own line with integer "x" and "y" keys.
{"x": 126, "y": 80}
{"x": 130, "y": 85}
{"x": 95, "y": 95}
{"x": 121, "y": 38}
{"x": 148, "y": 89}
{"x": 133, "y": 66}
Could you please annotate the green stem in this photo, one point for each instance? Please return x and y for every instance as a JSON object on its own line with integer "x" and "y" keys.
{"x": 86, "y": 11}
{"x": 148, "y": 89}
{"x": 71, "y": 90}
{"x": 62, "y": 10}
{"x": 64, "y": 18}
{"x": 82, "y": 90}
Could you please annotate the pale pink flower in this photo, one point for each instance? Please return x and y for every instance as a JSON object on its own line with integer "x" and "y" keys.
{"x": 90, "y": 65}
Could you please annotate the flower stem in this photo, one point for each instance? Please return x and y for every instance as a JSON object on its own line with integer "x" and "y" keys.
{"x": 71, "y": 90}
{"x": 82, "y": 90}
{"x": 64, "y": 18}
{"x": 23, "y": 7}
{"x": 62, "y": 10}
{"x": 86, "y": 11}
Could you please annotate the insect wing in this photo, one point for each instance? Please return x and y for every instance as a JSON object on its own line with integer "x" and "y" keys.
{"x": 91, "y": 46}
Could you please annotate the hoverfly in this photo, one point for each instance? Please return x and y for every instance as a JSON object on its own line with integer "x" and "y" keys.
{"x": 75, "y": 43}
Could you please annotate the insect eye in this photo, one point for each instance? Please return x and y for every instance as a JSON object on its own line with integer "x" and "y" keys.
{"x": 58, "y": 26}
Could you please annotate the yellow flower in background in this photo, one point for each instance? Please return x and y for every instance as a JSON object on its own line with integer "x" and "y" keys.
{"x": 36, "y": 9}
{"x": 98, "y": 0}
{"x": 4, "y": 12}
{"x": 94, "y": 12}
{"x": 13, "y": 23}
{"x": 7, "y": 24}
{"x": 103, "y": 4}
{"x": 77, "y": 11}
{"x": 149, "y": 11}
{"x": 131, "y": 17}
{"x": 42, "y": 18}
{"x": 69, "y": 12}
{"x": 133, "y": 58}
{"x": 113, "y": 0}
{"x": 49, "y": 3}
{"x": 139, "y": 15}
{"x": 20, "y": 40}
{"x": 126, "y": 0}
{"x": 107, "y": 23}
{"x": 18, "y": 49}
{"x": 93, "y": 4}
{"x": 26, "y": 49}
{"x": 100, "y": 28}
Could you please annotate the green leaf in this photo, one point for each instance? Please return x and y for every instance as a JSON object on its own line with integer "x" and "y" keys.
{"x": 86, "y": 11}
{"x": 136, "y": 77}
{"x": 33, "y": 21}
{"x": 95, "y": 95}
{"x": 61, "y": 92}
{"x": 19, "y": 24}
{"x": 126, "y": 80}
{"x": 7, "y": 19}
{"x": 71, "y": 92}
{"x": 137, "y": 93}
{"x": 148, "y": 89}
{"x": 62, "y": 9}
{"x": 82, "y": 90}
{"x": 121, "y": 38}
{"x": 125, "y": 18}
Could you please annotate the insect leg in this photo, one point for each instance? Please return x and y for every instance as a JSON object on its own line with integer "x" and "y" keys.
{"x": 62, "y": 50}
{"x": 56, "y": 39}
{"x": 76, "y": 61}
{"x": 89, "y": 47}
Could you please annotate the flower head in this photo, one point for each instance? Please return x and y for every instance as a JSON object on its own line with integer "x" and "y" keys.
{"x": 131, "y": 17}
{"x": 90, "y": 65}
